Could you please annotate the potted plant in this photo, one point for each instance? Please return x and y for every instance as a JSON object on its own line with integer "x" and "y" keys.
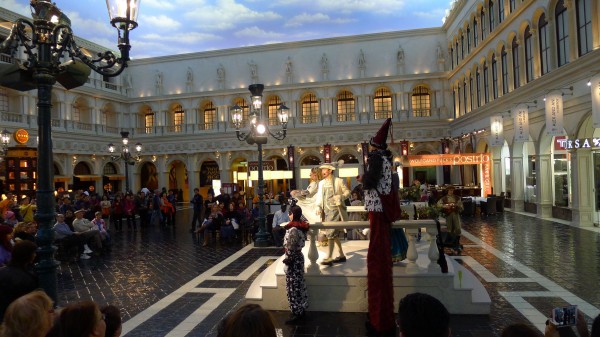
{"x": 429, "y": 212}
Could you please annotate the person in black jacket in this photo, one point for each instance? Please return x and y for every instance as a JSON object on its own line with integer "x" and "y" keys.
{"x": 197, "y": 203}
{"x": 17, "y": 279}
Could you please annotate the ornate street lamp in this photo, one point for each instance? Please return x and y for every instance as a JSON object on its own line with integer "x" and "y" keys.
{"x": 125, "y": 155}
{"x": 5, "y": 139}
{"x": 257, "y": 134}
{"x": 52, "y": 55}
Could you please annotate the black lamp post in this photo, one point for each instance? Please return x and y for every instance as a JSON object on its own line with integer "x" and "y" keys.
{"x": 52, "y": 55}
{"x": 125, "y": 155}
{"x": 257, "y": 134}
{"x": 5, "y": 139}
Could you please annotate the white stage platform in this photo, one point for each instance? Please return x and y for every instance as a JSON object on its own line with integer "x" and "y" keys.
{"x": 343, "y": 287}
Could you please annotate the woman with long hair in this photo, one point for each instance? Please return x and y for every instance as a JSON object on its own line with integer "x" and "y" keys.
{"x": 30, "y": 315}
{"x": 305, "y": 198}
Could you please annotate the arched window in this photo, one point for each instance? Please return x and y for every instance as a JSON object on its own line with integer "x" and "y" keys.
{"x": 483, "y": 29}
{"x": 477, "y": 89}
{"x": 149, "y": 120}
{"x": 494, "y": 76}
{"x": 76, "y": 113}
{"x": 584, "y": 26}
{"x": 468, "y": 39}
{"x": 491, "y": 15}
{"x": 452, "y": 57}
{"x": 544, "y": 47}
{"x": 500, "y": 11}
{"x": 562, "y": 33}
{"x": 382, "y": 102}
{"x": 512, "y": 4}
{"x": 457, "y": 53}
{"x": 475, "y": 34}
{"x": 486, "y": 86}
{"x": 528, "y": 55}
{"x": 345, "y": 106}
{"x": 245, "y": 109}
{"x": 274, "y": 105}
{"x": 454, "y": 102}
{"x": 504, "y": 61}
{"x": 210, "y": 116}
{"x": 310, "y": 109}
{"x": 464, "y": 96}
{"x": 462, "y": 46}
{"x": 457, "y": 114}
{"x": 178, "y": 118}
{"x": 516, "y": 63}
{"x": 472, "y": 94}
{"x": 421, "y": 101}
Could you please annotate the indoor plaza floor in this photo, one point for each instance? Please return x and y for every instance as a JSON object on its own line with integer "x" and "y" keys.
{"x": 167, "y": 284}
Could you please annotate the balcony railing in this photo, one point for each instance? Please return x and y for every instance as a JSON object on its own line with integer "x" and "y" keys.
{"x": 6, "y": 58}
{"x": 310, "y": 119}
{"x": 206, "y": 126}
{"x": 383, "y": 114}
{"x": 346, "y": 117}
{"x": 421, "y": 112}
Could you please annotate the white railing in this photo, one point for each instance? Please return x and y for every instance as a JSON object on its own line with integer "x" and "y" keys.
{"x": 411, "y": 228}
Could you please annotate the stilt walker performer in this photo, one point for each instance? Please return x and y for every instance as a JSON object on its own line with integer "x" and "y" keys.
{"x": 382, "y": 202}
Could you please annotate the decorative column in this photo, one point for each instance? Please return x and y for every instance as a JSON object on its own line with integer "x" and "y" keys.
{"x": 582, "y": 181}
{"x": 518, "y": 183}
{"x": 544, "y": 186}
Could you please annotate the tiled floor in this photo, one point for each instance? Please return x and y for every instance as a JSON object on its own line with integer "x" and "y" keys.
{"x": 169, "y": 285}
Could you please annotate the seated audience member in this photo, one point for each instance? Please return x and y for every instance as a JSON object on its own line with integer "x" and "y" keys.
{"x": 6, "y": 245}
{"x": 10, "y": 218}
{"x": 70, "y": 239}
{"x": 112, "y": 319}
{"x": 519, "y": 330}
{"x": 212, "y": 222}
{"x": 18, "y": 279}
{"x": 25, "y": 231}
{"x": 423, "y": 315}
{"x": 281, "y": 216}
{"x": 249, "y": 320}
{"x": 88, "y": 230}
{"x": 100, "y": 225}
{"x": 81, "y": 319}
{"x": 30, "y": 315}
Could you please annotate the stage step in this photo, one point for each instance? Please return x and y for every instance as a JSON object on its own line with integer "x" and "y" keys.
{"x": 343, "y": 287}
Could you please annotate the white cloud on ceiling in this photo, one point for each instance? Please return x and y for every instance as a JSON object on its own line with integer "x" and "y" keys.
{"x": 160, "y": 21}
{"x": 226, "y": 14}
{"x": 254, "y": 32}
{"x": 305, "y": 18}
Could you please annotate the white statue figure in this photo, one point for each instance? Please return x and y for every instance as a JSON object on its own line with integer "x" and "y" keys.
{"x": 221, "y": 72}
{"x": 400, "y": 55}
{"x": 324, "y": 63}
{"x": 253, "y": 68}
{"x": 189, "y": 75}
{"x": 361, "y": 59}
{"x": 439, "y": 52}
{"x": 158, "y": 78}
{"x": 289, "y": 66}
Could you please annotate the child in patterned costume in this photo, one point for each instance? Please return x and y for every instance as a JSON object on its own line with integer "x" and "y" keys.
{"x": 295, "y": 286}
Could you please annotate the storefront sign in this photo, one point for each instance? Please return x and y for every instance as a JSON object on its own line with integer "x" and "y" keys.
{"x": 595, "y": 81}
{"x": 458, "y": 159}
{"x": 268, "y": 165}
{"x": 554, "y": 113}
{"x": 584, "y": 143}
{"x": 497, "y": 131}
{"x": 521, "y": 116}
{"x": 21, "y": 136}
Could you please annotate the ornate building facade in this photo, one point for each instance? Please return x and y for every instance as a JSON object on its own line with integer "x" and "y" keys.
{"x": 440, "y": 86}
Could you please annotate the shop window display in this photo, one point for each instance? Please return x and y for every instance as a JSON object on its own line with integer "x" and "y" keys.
{"x": 561, "y": 168}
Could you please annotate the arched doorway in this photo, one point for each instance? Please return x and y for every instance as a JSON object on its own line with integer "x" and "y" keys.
{"x": 178, "y": 179}
{"x": 149, "y": 176}
{"x": 209, "y": 171}
{"x": 111, "y": 180}
{"x": 83, "y": 178}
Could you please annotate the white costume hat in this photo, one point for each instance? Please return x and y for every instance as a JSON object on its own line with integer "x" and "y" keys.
{"x": 327, "y": 166}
